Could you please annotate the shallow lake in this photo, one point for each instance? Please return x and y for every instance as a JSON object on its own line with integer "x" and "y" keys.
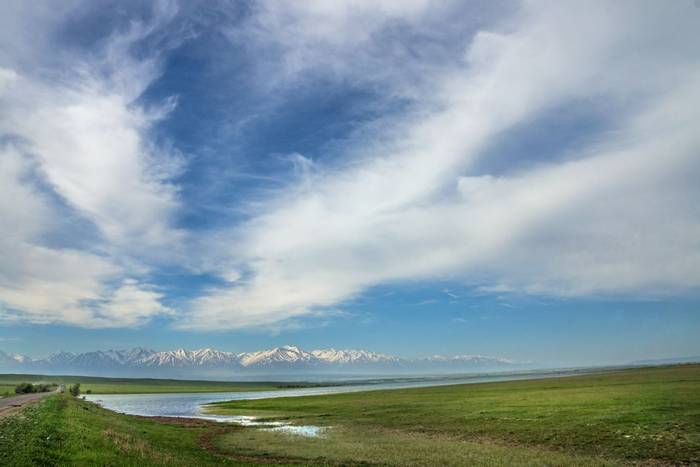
{"x": 190, "y": 404}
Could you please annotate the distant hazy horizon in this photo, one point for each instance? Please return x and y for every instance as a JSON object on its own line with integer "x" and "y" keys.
{"x": 287, "y": 363}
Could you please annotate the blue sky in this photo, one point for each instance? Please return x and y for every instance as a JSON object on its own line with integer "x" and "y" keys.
{"x": 411, "y": 177}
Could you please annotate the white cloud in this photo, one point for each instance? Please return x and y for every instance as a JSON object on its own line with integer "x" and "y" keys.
{"x": 112, "y": 175}
{"x": 130, "y": 305}
{"x": 395, "y": 45}
{"x": 89, "y": 138}
{"x": 75, "y": 143}
{"x": 43, "y": 283}
{"x": 406, "y": 203}
{"x": 46, "y": 285}
{"x": 620, "y": 217}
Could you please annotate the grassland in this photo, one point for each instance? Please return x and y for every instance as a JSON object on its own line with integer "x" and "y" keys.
{"x": 66, "y": 431}
{"x": 98, "y": 385}
{"x": 646, "y": 416}
{"x": 650, "y": 414}
{"x": 7, "y": 390}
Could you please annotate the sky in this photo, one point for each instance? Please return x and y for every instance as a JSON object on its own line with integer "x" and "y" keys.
{"x": 413, "y": 177}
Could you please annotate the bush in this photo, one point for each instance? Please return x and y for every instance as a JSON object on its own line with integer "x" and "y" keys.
{"x": 75, "y": 390}
{"x": 29, "y": 388}
{"x": 24, "y": 388}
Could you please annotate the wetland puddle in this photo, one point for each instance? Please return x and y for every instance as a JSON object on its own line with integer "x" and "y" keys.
{"x": 309, "y": 431}
{"x": 191, "y": 405}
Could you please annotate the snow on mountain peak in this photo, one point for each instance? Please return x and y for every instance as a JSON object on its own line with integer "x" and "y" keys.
{"x": 19, "y": 358}
{"x": 279, "y": 355}
{"x": 351, "y": 356}
{"x": 285, "y": 357}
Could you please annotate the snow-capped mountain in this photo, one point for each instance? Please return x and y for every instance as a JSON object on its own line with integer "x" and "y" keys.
{"x": 279, "y": 357}
{"x": 352, "y": 356}
{"x": 210, "y": 362}
{"x": 13, "y": 359}
{"x": 60, "y": 358}
{"x": 111, "y": 358}
{"x": 182, "y": 358}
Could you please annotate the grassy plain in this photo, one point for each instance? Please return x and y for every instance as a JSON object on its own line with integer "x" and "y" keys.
{"x": 98, "y": 385}
{"x": 62, "y": 430}
{"x": 65, "y": 431}
{"x": 647, "y": 416}
{"x": 7, "y": 390}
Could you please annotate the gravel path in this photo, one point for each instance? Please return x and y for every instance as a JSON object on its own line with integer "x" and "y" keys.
{"x": 10, "y": 405}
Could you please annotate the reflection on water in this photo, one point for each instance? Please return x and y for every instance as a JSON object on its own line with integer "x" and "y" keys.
{"x": 191, "y": 404}
{"x": 306, "y": 430}
{"x": 310, "y": 431}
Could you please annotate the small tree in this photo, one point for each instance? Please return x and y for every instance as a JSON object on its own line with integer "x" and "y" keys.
{"x": 75, "y": 390}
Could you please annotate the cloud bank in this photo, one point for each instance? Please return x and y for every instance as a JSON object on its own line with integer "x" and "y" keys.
{"x": 75, "y": 146}
{"x": 408, "y": 200}
{"x": 600, "y": 222}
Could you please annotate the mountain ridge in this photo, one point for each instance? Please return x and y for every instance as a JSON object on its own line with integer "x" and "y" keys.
{"x": 286, "y": 358}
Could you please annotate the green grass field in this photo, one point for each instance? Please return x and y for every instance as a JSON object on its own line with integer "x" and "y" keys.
{"x": 630, "y": 415}
{"x": 7, "y": 390}
{"x": 65, "y": 431}
{"x": 645, "y": 416}
{"x": 98, "y": 385}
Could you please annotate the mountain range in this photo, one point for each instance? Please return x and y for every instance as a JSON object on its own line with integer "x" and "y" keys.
{"x": 209, "y": 362}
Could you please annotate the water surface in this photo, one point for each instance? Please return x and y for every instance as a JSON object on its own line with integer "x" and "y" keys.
{"x": 190, "y": 405}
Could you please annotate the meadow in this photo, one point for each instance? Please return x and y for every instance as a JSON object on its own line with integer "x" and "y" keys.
{"x": 647, "y": 416}
{"x": 7, "y": 390}
{"x": 630, "y": 415}
{"x": 100, "y": 385}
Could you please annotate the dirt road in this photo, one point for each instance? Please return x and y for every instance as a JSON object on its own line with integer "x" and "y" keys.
{"x": 10, "y": 405}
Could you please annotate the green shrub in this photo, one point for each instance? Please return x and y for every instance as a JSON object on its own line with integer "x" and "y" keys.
{"x": 75, "y": 390}
{"x": 25, "y": 388}
{"x": 29, "y": 388}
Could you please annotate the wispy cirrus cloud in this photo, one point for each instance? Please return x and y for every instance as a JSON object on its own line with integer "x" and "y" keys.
{"x": 76, "y": 144}
{"x": 92, "y": 204}
{"x": 409, "y": 208}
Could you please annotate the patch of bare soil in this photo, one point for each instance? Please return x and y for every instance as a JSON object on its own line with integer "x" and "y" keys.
{"x": 12, "y": 405}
